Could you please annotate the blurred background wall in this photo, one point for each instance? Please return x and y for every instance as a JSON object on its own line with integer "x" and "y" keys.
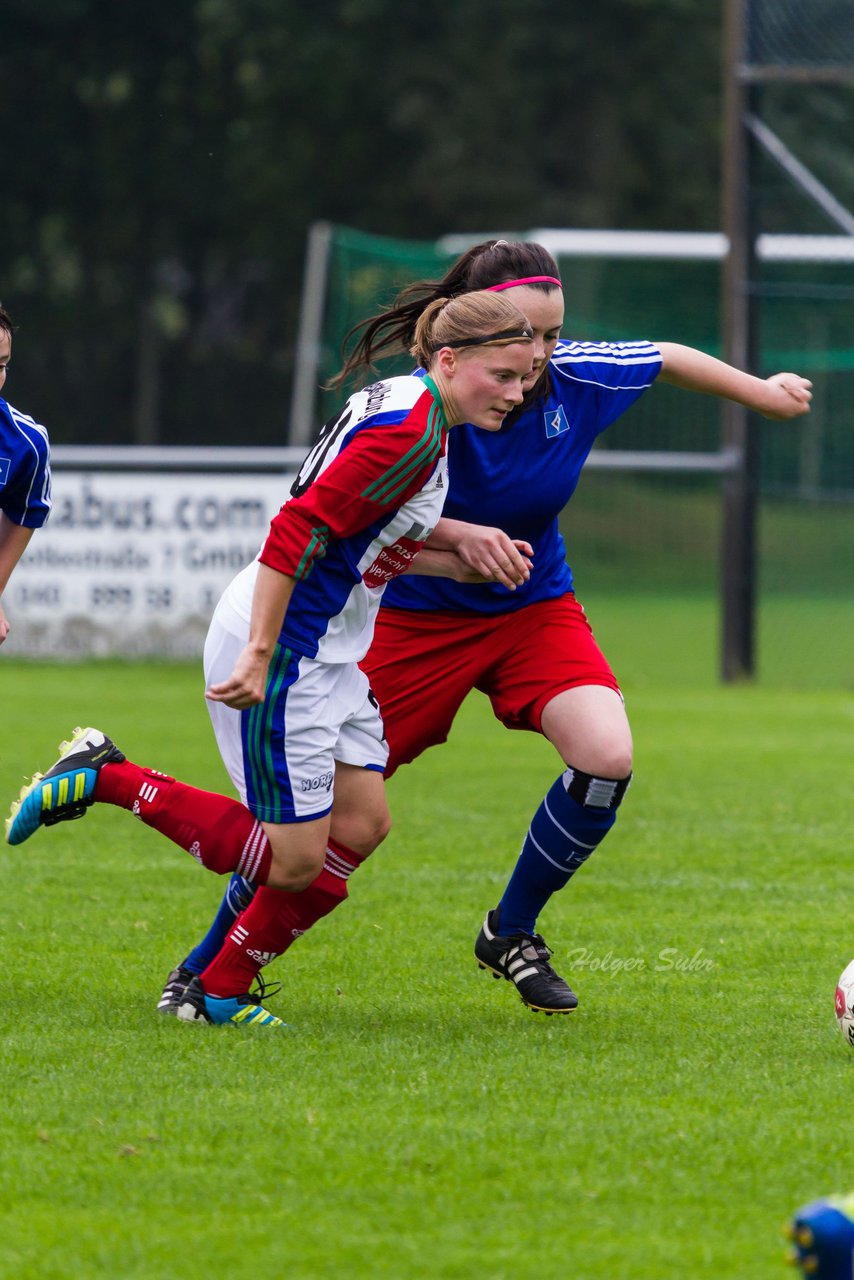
{"x": 163, "y": 166}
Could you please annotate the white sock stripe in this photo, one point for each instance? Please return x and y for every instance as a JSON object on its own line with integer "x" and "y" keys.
{"x": 561, "y": 829}
{"x": 332, "y": 856}
{"x": 258, "y": 850}
{"x": 337, "y": 865}
{"x": 148, "y": 792}
{"x": 561, "y": 866}
{"x": 257, "y": 853}
{"x": 253, "y": 850}
{"x": 242, "y": 862}
{"x": 552, "y": 819}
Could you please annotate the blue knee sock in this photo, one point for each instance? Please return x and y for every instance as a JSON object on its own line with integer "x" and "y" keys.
{"x": 237, "y": 897}
{"x": 576, "y": 815}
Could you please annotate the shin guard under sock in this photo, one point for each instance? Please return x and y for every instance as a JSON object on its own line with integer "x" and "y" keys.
{"x": 321, "y": 897}
{"x": 574, "y": 818}
{"x": 274, "y": 920}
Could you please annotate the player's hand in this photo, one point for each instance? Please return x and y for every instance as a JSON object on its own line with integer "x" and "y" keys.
{"x": 246, "y": 685}
{"x": 457, "y": 569}
{"x": 494, "y": 556}
{"x": 789, "y": 396}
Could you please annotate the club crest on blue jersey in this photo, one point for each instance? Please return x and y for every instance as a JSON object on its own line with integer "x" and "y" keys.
{"x": 556, "y": 421}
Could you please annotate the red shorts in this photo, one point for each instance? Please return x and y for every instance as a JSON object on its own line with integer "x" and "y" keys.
{"x": 422, "y": 664}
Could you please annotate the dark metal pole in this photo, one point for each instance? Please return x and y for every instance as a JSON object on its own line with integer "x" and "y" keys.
{"x": 739, "y": 430}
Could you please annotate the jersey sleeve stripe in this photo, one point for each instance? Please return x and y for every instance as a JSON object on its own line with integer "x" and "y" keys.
{"x": 35, "y": 438}
{"x": 315, "y": 550}
{"x": 386, "y": 487}
{"x": 626, "y": 349}
{"x": 390, "y": 479}
{"x": 600, "y": 358}
{"x": 426, "y": 456}
{"x": 23, "y": 420}
{"x": 609, "y": 386}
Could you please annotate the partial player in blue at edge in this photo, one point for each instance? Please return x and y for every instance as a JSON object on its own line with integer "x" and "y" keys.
{"x": 24, "y": 476}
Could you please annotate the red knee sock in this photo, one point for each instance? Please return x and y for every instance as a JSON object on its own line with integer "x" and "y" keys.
{"x": 219, "y": 832}
{"x": 273, "y": 920}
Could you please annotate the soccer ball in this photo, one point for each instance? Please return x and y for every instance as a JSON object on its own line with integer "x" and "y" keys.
{"x": 845, "y": 1003}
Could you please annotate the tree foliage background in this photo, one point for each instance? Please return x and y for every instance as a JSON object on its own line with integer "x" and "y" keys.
{"x": 162, "y": 164}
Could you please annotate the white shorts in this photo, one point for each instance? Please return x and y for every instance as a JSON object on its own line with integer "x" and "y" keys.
{"x": 281, "y": 754}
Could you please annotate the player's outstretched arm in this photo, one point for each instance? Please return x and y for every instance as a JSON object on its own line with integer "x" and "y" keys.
{"x": 783, "y": 395}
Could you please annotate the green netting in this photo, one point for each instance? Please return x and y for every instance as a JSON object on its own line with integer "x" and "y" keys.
{"x": 805, "y": 323}
{"x": 365, "y": 274}
{"x": 656, "y": 538}
{"x": 800, "y": 33}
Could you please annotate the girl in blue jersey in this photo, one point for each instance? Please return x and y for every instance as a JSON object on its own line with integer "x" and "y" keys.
{"x": 294, "y": 717}
{"x": 24, "y": 476}
{"x": 510, "y": 625}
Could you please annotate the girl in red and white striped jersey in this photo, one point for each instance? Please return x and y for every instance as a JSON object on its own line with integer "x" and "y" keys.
{"x": 293, "y": 713}
{"x": 510, "y": 628}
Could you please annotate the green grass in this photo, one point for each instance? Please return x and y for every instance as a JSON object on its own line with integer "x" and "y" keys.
{"x": 417, "y": 1122}
{"x": 673, "y": 641}
{"x": 663, "y": 534}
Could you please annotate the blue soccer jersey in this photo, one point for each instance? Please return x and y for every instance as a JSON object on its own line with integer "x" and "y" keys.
{"x": 520, "y": 478}
{"x": 24, "y": 468}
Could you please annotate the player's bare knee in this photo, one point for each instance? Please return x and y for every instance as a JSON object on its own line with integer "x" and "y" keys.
{"x": 293, "y": 876}
{"x": 614, "y": 763}
{"x": 363, "y": 831}
{"x": 380, "y": 828}
{"x": 294, "y": 869}
{"x": 299, "y": 879}
{"x": 606, "y": 756}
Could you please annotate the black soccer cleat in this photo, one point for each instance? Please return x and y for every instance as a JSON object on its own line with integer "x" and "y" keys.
{"x": 523, "y": 959}
{"x": 176, "y": 984}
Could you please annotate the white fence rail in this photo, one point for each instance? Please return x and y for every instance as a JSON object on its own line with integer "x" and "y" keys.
{"x": 141, "y": 543}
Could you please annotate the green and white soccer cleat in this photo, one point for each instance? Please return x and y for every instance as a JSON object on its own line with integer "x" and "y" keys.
{"x": 68, "y": 787}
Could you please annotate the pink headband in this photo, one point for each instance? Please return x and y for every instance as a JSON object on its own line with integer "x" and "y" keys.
{"x": 511, "y": 284}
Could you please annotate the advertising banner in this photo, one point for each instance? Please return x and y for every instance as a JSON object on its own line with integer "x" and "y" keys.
{"x": 134, "y": 563}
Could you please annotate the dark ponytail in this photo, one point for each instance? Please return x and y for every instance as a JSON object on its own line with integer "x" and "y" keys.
{"x": 392, "y": 331}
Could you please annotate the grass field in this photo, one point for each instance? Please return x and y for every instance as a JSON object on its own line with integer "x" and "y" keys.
{"x": 417, "y": 1121}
